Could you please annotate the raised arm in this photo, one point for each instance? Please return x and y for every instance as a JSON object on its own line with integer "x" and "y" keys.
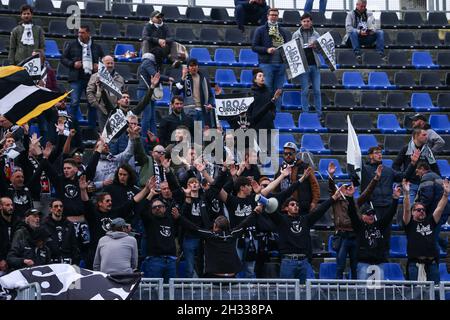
{"x": 286, "y": 172}
{"x": 443, "y": 202}
{"x": 406, "y": 204}
{"x": 314, "y": 216}
{"x": 367, "y": 193}
{"x": 387, "y": 218}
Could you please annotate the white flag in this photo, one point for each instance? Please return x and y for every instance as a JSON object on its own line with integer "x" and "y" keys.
{"x": 295, "y": 58}
{"x": 33, "y": 66}
{"x": 353, "y": 149}
{"x": 325, "y": 43}
{"x": 108, "y": 81}
{"x": 115, "y": 125}
{"x": 228, "y": 105}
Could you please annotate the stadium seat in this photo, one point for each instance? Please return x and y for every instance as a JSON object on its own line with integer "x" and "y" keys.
{"x": 125, "y": 72}
{"x": 387, "y": 162}
{"x": 285, "y": 122}
{"x": 92, "y": 28}
{"x": 338, "y": 19}
{"x": 202, "y": 55}
{"x": 346, "y": 59}
{"x": 338, "y": 144}
{"x": 328, "y": 80}
{"x": 133, "y": 31}
{"x": 398, "y": 246}
{"x": 445, "y": 276}
{"x": 185, "y": 35}
{"x": 336, "y": 37}
{"x": 109, "y": 30}
{"x": 58, "y": 28}
{"x": 362, "y": 122}
{"x": 444, "y": 168}
{"x": 44, "y": 7}
{"x": 336, "y": 122}
{"x": 248, "y": 58}
{"x": 106, "y": 47}
{"x": 95, "y": 9}
{"x": 51, "y": 49}
{"x": 398, "y": 59}
{"x": 446, "y": 149}
{"x": 165, "y": 101}
{"x": 371, "y": 100}
{"x": 443, "y": 100}
{"x": 66, "y": 4}
{"x": 393, "y": 143}
{"x": 443, "y": 59}
{"x": 121, "y": 50}
{"x": 430, "y": 80}
{"x": 393, "y": 272}
{"x": 62, "y": 72}
{"x": 327, "y": 270}
{"x": 143, "y": 11}
{"x": 14, "y": 5}
{"x": 234, "y": 37}
{"x": 323, "y": 168}
{"x": 225, "y": 125}
{"x": 440, "y": 123}
{"x": 353, "y": 80}
{"x": 430, "y": 39}
{"x": 413, "y": 19}
{"x": 397, "y": 100}
{"x": 319, "y": 19}
{"x": 225, "y": 78}
{"x": 220, "y": 15}
{"x": 379, "y": 80}
{"x": 224, "y": 57}
{"x": 344, "y": 100}
{"x": 121, "y": 11}
{"x": 330, "y": 246}
{"x": 196, "y": 14}
{"x": 283, "y": 138}
{"x": 246, "y": 78}
{"x": 291, "y": 100}
{"x": 291, "y": 17}
{"x": 389, "y": 19}
{"x": 210, "y": 36}
{"x": 3, "y": 48}
{"x": 366, "y": 141}
{"x": 423, "y": 60}
{"x": 310, "y": 122}
{"x": 422, "y": 102}
{"x": 171, "y": 13}
{"x": 372, "y": 60}
{"x": 324, "y": 223}
{"x": 388, "y": 123}
{"x": 406, "y": 39}
{"x": 437, "y": 19}
{"x": 314, "y": 144}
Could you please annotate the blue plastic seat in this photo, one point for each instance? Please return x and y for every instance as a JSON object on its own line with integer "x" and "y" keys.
{"x": 366, "y": 141}
{"x": 440, "y": 123}
{"x": 379, "y": 80}
{"x": 226, "y": 78}
{"x": 353, "y": 80}
{"x": 387, "y": 162}
{"x": 225, "y": 125}
{"x": 202, "y": 55}
{"x": 291, "y": 100}
{"x": 388, "y": 123}
{"x": 121, "y": 49}
{"x": 445, "y": 276}
{"x": 444, "y": 167}
{"x": 421, "y": 101}
{"x": 423, "y": 60}
{"x": 330, "y": 246}
{"x": 398, "y": 247}
{"x": 51, "y": 49}
{"x": 224, "y": 57}
{"x": 327, "y": 270}
{"x": 310, "y": 122}
{"x": 393, "y": 271}
{"x": 248, "y": 58}
{"x": 323, "y": 169}
{"x": 313, "y": 143}
{"x": 246, "y": 78}
{"x": 165, "y": 101}
{"x": 285, "y": 122}
{"x": 283, "y": 138}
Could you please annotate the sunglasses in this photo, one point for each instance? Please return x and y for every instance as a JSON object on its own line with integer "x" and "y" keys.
{"x": 158, "y": 206}
{"x": 419, "y": 209}
{"x": 294, "y": 204}
{"x": 288, "y": 153}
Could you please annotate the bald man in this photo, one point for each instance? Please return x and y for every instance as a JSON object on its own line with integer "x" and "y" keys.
{"x": 94, "y": 91}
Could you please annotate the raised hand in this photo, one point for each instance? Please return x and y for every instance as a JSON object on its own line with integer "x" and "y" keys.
{"x": 446, "y": 186}
{"x": 155, "y": 79}
{"x": 349, "y": 191}
{"x": 307, "y": 173}
{"x": 166, "y": 162}
{"x": 397, "y": 192}
{"x": 175, "y": 213}
{"x": 107, "y": 182}
{"x": 286, "y": 172}
{"x": 277, "y": 94}
{"x": 47, "y": 150}
{"x": 83, "y": 183}
{"x": 378, "y": 171}
{"x": 187, "y": 192}
{"x": 405, "y": 186}
{"x": 101, "y": 144}
{"x": 415, "y": 156}
{"x": 72, "y": 133}
{"x": 339, "y": 192}
{"x": 60, "y": 127}
{"x": 256, "y": 186}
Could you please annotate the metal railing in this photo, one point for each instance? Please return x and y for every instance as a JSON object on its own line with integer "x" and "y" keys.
{"x": 29, "y": 292}
{"x": 367, "y": 290}
{"x": 236, "y": 289}
{"x": 150, "y": 289}
{"x": 444, "y": 290}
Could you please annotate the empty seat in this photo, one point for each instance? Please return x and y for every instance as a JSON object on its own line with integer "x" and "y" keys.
{"x": 444, "y": 168}
{"x": 125, "y": 72}
{"x": 413, "y": 19}
{"x": 328, "y": 80}
{"x": 319, "y": 19}
{"x": 393, "y": 272}
{"x": 133, "y": 31}
{"x": 437, "y": 19}
{"x": 353, "y": 80}
{"x": 372, "y": 60}
{"x": 291, "y": 100}
{"x": 393, "y": 144}
{"x": 443, "y": 100}
{"x": 283, "y": 139}
{"x": 220, "y": 15}
{"x": 284, "y": 122}
{"x": 210, "y": 35}
{"x": 171, "y": 13}
{"x": 225, "y": 78}
{"x": 44, "y": 6}
{"x": 106, "y": 47}
{"x": 165, "y": 101}
{"x": 336, "y": 122}
{"x": 122, "y": 51}
{"x": 423, "y": 60}
{"x": 422, "y": 102}
{"x": 398, "y": 246}
{"x": 389, "y": 19}
{"x": 224, "y": 57}
{"x": 346, "y": 59}
{"x": 371, "y": 100}
{"x": 95, "y": 9}
{"x": 406, "y": 39}
{"x": 327, "y": 270}
{"x": 404, "y": 80}
{"x": 14, "y": 5}
{"x": 310, "y": 122}
{"x": 195, "y": 14}
{"x": 366, "y": 141}
{"x": 291, "y": 17}
{"x": 388, "y": 123}
{"x": 234, "y": 37}
{"x": 3, "y": 48}
{"x": 430, "y": 80}
{"x": 246, "y": 78}
{"x": 407, "y": 122}
{"x": 338, "y": 144}
{"x": 66, "y": 4}
{"x": 344, "y": 100}
{"x": 330, "y": 246}
{"x": 398, "y": 59}
{"x": 430, "y": 39}
{"x": 323, "y": 168}
{"x": 202, "y": 55}
{"x": 338, "y": 18}
{"x": 109, "y": 30}
{"x": 440, "y": 123}
{"x": 185, "y": 35}
{"x": 51, "y": 49}
{"x": 445, "y": 276}
{"x": 443, "y": 59}
{"x": 91, "y": 25}
{"x": 313, "y": 143}
{"x": 58, "y": 28}
{"x": 121, "y": 10}
{"x": 397, "y": 100}
{"x": 249, "y": 58}
{"x": 362, "y": 122}
{"x": 379, "y": 80}
{"x": 7, "y": 24}
{"x": 144, "y": 11}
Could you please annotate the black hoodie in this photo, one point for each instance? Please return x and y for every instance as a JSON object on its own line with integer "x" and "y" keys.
{"x": 261, "y": 112}
{"x": 63, "y": 242}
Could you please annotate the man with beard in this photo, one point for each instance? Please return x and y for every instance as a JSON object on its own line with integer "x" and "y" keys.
{"x": 7, "y": 225}
{"x": 150, "y": 164}
{"x": 63, "y": 242}
{"x": 174, "y": 120}
{"x": 420, "y": 228}
{"x": 434, "y": 141}
{"x": 19, "y": 193}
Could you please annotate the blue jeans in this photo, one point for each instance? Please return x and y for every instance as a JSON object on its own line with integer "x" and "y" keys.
{"x": 160, "y": 267}
{"x": 309, "y": 5}
{"x": 248, "y": 266}
{"x": 357, "y": 41}
{"x": 348, "y": 247}
{"x": 148, "y": 115}
{"x": 274, "y": 78}
{"x": 78, "y": 88}
{"x": 314, "y": 75}
{"x": 432, "y": 271}
{"x": 296, "y": 269}
{"x": 190, "y": 249}
{"x": 364, "y": 275}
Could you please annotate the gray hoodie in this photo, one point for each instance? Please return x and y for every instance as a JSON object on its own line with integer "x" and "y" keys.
{"x": 116, "y": 253}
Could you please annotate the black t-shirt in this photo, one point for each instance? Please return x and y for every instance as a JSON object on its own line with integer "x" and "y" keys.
{"x": 421, "y": 238}
{"x": 239, "y": 208}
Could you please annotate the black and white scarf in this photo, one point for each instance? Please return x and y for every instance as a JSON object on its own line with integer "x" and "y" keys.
{"x": 27, "y": 35}
{"x": 425, "y": 152}
{"x": 87, "y": 56}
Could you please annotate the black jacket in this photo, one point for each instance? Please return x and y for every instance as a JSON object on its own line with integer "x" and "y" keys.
{"x": 74, "y": 52}
{"x": 261, "y": 112}
{"x": 170, "y": 123}
{"x": 6, "y": 236}
{"x": 63, "y": 242}
{"x": 151, "y": 34}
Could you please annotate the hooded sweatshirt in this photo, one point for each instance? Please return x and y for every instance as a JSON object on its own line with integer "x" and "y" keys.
{"x": 116, "y": 253}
